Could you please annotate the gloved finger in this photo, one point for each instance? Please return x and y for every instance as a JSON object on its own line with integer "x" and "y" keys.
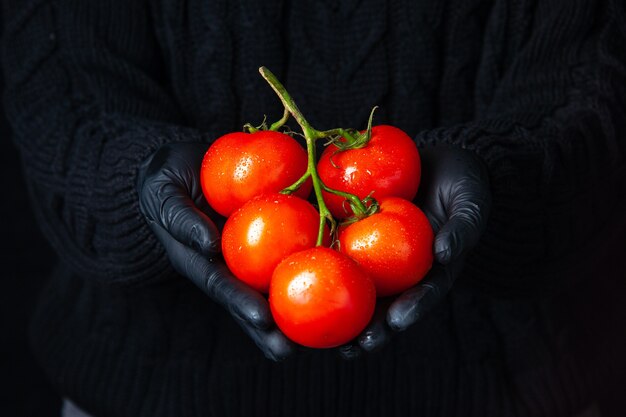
{"x": 248, "y": 307}
{"x": 411, "y": 305}
{"x": 468, "y": 210}
{"x": 186, "y": 223}
{"x": 217, "y": 219}
{"x": 373, "y": 338}
{"x": 349, "y": 351}
{"x": 213, "y": 277}
{"x": 272, "y": 342}
{"x": 377, "y": 333}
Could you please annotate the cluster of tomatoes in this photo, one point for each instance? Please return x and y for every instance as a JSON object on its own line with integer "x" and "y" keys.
{"x": 322, "y": 281}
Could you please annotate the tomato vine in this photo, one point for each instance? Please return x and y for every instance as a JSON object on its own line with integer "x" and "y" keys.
{"x": 353, "y": 139}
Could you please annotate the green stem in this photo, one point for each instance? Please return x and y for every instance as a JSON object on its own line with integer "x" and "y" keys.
{"x": 277, "y": 125}
{"x": 249, "y": 128}
{"x": 317, "y": 187}
{"x": 310, "y": 136}
{"x": 289, "y": 104}
{"x": 294, "y": 187}
{"x": 358, "y": 207}
{"x": 340, "y": 132}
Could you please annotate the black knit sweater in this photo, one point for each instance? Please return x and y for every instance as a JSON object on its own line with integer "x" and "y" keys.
{"x": 537, "y": 89}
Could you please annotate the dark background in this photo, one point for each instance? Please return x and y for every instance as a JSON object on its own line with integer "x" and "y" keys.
{"x": 26, "y": 262}
{"x": 24, "y": 389}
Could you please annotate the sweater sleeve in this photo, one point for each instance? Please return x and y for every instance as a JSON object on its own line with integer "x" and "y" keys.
{"x": 88, "y": 102}
{"x": 554, "y": 139}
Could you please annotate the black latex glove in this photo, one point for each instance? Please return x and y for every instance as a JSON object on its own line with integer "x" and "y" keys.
{"x": 455, "y": 196}
{"x": 171, "y": 200}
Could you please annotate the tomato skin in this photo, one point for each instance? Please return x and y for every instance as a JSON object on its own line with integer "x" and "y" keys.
{"x": 320, "y": 298}
{"x": 239, "y": 166}
{"x": 394, "y": 245}
{"x": 389, "y": 166}
{"x": 264, "y": 231}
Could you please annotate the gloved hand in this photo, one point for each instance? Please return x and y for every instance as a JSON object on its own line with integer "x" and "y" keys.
{"x": 171, "y": 200}
{"x": 455, "y": 196}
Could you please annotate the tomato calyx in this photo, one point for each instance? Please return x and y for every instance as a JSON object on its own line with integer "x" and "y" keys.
{"x": 355, "y": 140}
{"x": 249, "y": 128}
{"x": 372, "y": 207}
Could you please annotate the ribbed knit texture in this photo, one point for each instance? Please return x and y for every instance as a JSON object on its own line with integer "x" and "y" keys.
{"x": 85, "y": 115}
{"x": 537, "y": 89}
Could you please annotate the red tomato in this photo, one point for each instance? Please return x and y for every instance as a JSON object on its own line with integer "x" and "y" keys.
{"x": 264, "y": 231}
{"x": 320, "y": 298}
{"x": 239, "y": 166}
{"x": 394, "y": 245}
{"x": 388, "y": 166}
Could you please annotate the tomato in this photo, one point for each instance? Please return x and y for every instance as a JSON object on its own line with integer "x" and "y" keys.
{"x": 239, "y": 166}
{"x": 388, "y": 166}
{"x": 394, "y": 245}
{"x": 264, "y": 231}
{"x": 320, "y": 298}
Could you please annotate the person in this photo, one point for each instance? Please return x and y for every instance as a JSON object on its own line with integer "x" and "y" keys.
{"x": 517, "y": 108}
